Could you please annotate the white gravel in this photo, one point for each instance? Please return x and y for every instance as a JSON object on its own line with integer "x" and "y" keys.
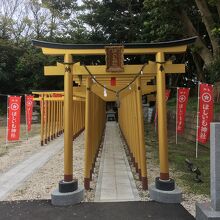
{"x": 17, "y": 152}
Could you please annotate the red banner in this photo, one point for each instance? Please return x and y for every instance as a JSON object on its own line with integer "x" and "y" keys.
{"x": 167, "y": 95}
{"x": 14, "y": 115}
{"x": 29, "y": 103}
{"x": 205, "y": 115}
{"x": 182, "y": 99}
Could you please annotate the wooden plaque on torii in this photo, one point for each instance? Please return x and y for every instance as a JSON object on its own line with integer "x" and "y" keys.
{"x": 114, "y": 58}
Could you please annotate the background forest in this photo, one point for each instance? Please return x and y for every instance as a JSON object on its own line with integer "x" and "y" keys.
{"x": 107, "y": 21}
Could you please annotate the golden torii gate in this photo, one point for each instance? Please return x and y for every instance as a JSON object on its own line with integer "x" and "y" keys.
{"x": 76, "y": 71}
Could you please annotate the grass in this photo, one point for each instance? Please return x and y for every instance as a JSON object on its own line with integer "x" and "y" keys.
{"x": 177, "y": 155}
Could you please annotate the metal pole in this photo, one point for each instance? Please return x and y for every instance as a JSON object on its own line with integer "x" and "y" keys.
{"x": 162, "y": 117}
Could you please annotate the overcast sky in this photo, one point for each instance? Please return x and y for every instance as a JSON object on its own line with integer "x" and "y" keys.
{"x": 79, "y": 2}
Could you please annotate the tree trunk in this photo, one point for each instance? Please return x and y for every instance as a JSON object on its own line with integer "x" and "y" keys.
{"x": 209, "y": 24}
{"x": 200, "y": 72}
{"x": 203, "y": 51}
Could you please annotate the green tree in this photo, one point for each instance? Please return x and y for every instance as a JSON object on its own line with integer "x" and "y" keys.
{"x": 113, "y": 20}
{"x": 185, "y": 18}
{"x": 9, "y": 56}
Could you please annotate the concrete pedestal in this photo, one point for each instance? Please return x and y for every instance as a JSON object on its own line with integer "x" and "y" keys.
{"x": 212, "y": 210}
{"x": 174, "y": 196}
{"x": 204, "y": 211}
{"x": 69, "y": 198}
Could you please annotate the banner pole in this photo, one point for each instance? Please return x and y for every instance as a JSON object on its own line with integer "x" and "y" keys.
{"x": 197, "y": 121}
{"x": 176, "y": 114}
{"x": 6, "y": 141}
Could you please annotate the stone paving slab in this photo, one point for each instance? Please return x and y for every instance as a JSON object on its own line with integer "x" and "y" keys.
{"x": 14, "y": 177}
{"x": 115, "y": 180}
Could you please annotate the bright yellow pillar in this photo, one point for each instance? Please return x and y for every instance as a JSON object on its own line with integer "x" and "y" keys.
{"x": 87, "y": 135}
{"x": 136, "y": 133}
{"x": 42, "y": 120}
{"x": 68, "y": 120}
{"x": 58, "y": 118}
{"x": 56, "y": 115}
{"x": 45, "y": 121}
{"x": 49, "y": 121}
{"x": 141, "y": 135}
{"x": 54, "y": 119}
{"x": 162, "y": 118}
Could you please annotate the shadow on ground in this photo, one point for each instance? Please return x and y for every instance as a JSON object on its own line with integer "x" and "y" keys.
{"x": 42, "y": 209}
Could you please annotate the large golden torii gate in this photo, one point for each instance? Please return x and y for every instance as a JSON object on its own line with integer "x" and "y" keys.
{"x": 82, "y": 75}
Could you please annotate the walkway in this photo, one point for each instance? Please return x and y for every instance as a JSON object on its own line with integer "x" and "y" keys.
{"x": 115, "y": 180}
{"x": 43, "y": 210}
{"x": 12, "y": 179}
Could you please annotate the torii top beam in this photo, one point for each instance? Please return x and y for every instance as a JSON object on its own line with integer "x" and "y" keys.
{"x": 177, "y": 46}
{"x": 129, "y": 71}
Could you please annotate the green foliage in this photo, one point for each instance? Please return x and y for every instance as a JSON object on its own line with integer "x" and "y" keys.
{"x": 113, "y": 21}
{"x": 213, "y": 71}
{"x": 161, "y": 21}
{"x": 21, "y": 70}
{"x": 216, "y": 31}
{"x": 106, "y": 21}
{"x": 60, "y": 7}
{"x": 30, "y": 74}
{"x": 9, "y": 56}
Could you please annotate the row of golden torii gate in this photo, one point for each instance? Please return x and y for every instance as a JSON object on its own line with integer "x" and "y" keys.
{"x": 84, "y": 106}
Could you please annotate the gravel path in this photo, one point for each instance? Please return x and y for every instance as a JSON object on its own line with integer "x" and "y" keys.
{"x": 17, "y": 152}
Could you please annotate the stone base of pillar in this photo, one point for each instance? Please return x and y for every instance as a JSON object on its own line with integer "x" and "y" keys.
{"x": 204, "y": 211}
{"x": 174, "y": 196}
{"x": 65, "y": 199}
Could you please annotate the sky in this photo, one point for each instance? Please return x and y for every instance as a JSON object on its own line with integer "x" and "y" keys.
{"x": 79, "y": 2}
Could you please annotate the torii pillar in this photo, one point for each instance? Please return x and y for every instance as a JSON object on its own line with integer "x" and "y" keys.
{"x": 69, "y": 192}
{"x": 164, "y": 189}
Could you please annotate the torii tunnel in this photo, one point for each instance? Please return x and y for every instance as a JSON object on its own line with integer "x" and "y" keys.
{"x": 85, "y": 103}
